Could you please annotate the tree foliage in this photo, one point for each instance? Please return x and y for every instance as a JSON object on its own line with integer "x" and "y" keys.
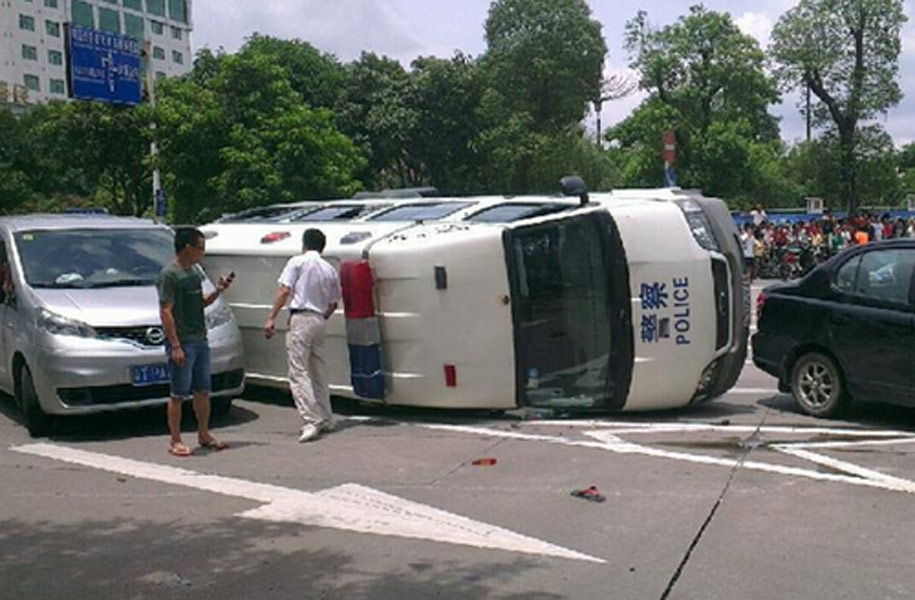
{"x": 706, "y": 81}
{"x": 846, "y": 52}
{"x": 242, "y": 137}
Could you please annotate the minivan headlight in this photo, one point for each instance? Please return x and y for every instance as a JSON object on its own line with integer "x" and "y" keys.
{"x": 221, "y": 315}
{"x": 699, "y": 225}
{"x": 59, "y": 325}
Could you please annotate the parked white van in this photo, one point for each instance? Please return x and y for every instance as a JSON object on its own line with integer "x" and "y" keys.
{"x": 630, "y": 300}
{"x": 79, "y": 317}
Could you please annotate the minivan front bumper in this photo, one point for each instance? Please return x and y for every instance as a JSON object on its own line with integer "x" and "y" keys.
{"x": 83, "y": 376}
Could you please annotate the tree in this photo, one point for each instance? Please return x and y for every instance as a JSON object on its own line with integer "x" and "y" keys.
{"x": 846, "y": 53}
{"x": 15, "y": 155}
{"x": 541, "y": 69}
{"x": 706, "y": 68}
{"x": 375, "y": 112}
{"x": 445, "y": 95}
{"x": 92, "y": 152}
{"x": 545, "y": 58}
{"x": 242, "y": 137}
{"x": 706, "y": 81}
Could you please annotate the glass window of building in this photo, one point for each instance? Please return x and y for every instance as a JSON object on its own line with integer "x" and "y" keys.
{"x": 55, "y": 57}
{"x": 158, "y": 53}
{"x": 177, "y": 57}
{"x": 156, "y": 27}
{"x": 29, "y": 52}
{"x": 82, "y": 14}
{"x": 50, "y": 3}
{"x": 176, "y": 33}
{"x": 133, "y": 26}
{"x": 109, "y": 20}
{"x": 160, "y": 75}
{"x": 134, "y": 4}
{"x": 110, "y": 1}
{"x": 26, "y": 22}
{"x": 52, "y": 28}
{"x": 177, "y": 10}
{"x": 31, "y": 82}
{"x": 57, "y": 86}
{"x": 156, "y": 7}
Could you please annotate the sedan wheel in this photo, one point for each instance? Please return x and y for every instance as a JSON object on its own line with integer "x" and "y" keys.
{"x": 817, "y": 385}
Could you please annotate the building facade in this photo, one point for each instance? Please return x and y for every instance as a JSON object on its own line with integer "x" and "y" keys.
{"x": 32, "y": 41}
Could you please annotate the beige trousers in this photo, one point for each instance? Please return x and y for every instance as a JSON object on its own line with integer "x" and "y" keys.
{"x": 307, "y": 369}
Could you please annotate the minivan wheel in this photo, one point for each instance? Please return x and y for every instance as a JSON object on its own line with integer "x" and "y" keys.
{"x": 37, "y": 422}
{"x": 817, "y": 385}
{"x": 220, "y": 406}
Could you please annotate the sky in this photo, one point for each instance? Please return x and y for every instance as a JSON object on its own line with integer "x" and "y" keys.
{"x": 406, "y": 29}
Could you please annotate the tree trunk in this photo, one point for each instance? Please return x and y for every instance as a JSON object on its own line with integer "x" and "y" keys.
{"x": 848, "y": 168}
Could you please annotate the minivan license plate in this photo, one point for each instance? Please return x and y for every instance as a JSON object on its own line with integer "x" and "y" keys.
{"x": 149, "y": 374}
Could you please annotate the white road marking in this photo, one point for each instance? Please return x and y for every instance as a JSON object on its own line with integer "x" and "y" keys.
{"x": 648, "y": 427}
{"x": 752, "y": 391}
{"x": 350, "y": 506}
{"x": 609, "y": 440}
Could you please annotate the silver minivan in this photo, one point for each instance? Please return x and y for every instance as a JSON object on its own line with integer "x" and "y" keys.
{"x": 79, "y": 318}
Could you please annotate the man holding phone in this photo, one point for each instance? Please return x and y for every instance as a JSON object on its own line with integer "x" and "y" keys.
{"x": 181, "y": 304}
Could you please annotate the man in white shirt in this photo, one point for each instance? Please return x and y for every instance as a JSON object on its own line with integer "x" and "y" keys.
{"x": 758, "y": 215}
{"x": 314, "y": 286}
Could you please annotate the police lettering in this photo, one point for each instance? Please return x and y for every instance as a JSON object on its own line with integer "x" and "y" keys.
{"x": 681, "y": 310}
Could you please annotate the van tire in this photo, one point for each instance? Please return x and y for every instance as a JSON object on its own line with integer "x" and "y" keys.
{"x": 220, "y": 407}
{"x": 37, "y": 422}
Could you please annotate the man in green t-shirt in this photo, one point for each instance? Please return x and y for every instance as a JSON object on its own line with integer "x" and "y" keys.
{"x": 181, "y": 304}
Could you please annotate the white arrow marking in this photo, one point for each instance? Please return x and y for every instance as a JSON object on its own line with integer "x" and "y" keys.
{"x": 350, "y": 507}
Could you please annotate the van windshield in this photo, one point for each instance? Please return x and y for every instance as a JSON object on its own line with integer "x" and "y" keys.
{"x": 94, "y": 258}
{"x": 564, "y": 302}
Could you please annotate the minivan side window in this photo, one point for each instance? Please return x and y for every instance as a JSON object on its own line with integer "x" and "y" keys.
{"x": 884, "y": 275}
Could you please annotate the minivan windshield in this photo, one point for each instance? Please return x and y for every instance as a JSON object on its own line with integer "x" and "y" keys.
{"x": 94, "y": 258}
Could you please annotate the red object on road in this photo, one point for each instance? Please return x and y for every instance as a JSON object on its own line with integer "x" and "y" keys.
{"x": 484, "y": 462}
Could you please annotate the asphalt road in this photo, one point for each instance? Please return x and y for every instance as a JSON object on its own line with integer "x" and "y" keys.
{"x": 740, "y": 498}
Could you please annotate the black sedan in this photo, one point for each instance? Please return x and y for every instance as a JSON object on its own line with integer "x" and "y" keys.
{"x": 846, "y": 331}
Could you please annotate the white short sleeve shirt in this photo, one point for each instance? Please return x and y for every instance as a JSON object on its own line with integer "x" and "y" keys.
{"x": 315, "y": 284}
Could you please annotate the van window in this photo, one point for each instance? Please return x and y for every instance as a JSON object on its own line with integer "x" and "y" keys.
{"x": 421, "y": 212}
{"x": 333, "y": 213}
{"x": 94, "y": 258}
{"x": 508, "y": 213}
{"x": 260, "y": 214}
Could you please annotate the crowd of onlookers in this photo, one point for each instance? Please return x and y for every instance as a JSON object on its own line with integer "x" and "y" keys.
{"x": 774, "y": 248}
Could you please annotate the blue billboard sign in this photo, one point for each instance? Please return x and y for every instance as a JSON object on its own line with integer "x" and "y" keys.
{"x": 104, "y": 66}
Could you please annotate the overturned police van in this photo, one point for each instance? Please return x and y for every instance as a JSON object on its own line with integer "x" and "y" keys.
{"x": 625, "y": 300}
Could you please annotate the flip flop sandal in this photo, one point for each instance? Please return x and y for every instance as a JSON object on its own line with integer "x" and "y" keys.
{"x": 590, "y": 494}
{"x": 179, "y": 450}
{"x": 216, "y": 445}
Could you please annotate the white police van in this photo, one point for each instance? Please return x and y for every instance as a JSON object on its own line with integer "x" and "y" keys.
{"x": 632, "y": 300}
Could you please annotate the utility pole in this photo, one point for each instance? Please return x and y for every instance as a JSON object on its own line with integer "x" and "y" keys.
{"x": 159, "y": 204}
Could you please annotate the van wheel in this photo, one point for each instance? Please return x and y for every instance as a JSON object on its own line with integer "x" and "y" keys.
{"x": 817, "y": 385}
{"x": 37, "y": 422}
{"x": 220, "y": 406}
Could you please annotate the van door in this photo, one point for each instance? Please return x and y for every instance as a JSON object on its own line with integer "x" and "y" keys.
{"x": 571, "y": 312}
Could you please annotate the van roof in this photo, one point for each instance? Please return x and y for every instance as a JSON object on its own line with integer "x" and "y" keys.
{"x": 70, "y": 221}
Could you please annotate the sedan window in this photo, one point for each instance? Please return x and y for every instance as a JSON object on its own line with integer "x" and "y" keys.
{"x": 884, "y": 275}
